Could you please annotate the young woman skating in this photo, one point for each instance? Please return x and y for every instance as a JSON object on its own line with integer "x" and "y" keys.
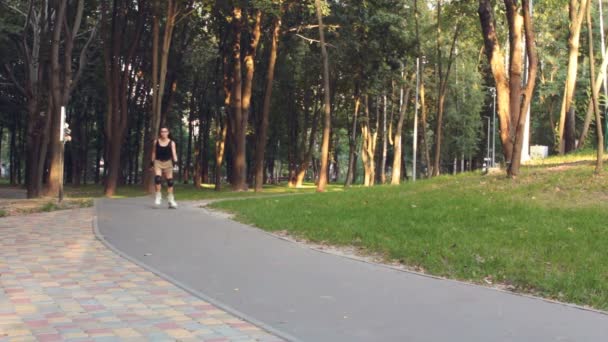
{"x": 164, "y": 158}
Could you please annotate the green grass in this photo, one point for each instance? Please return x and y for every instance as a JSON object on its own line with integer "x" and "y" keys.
{"x": 573, "y": 157}
{"x": 546, "y": 233}
{"x": 83, "y": 196}
{"x": 50, "y": 206}
{"x": 187, "y": 192}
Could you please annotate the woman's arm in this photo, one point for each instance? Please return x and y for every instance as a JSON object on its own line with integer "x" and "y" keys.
{"x": 173, "y": 151}
{"x": 153, "y": 158}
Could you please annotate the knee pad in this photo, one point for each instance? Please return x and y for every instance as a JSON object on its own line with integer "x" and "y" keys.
{"x": 170, "y": 183}
{"x": 158, "y": 180}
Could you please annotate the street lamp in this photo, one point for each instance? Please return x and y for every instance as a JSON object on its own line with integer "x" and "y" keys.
{"x": 493, "y": 91}
{"x": 64, "y": 136}
{"x": 487, "y": 159}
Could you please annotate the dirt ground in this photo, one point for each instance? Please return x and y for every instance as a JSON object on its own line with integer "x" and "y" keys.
{"x": 13, "y": 201}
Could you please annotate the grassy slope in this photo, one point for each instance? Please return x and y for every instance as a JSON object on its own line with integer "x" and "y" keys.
{"x": 546, "y": 233}
{"x": 82, "y": 196}
{"x": 185, "y": 192}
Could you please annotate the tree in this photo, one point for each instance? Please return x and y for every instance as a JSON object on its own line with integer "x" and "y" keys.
{"x": 63, "y": 82}
{"x": 262, "y": 135}
{"x": 35, "y": 31}
{"x": 512, "y": 102}
{"x": 442, "y": 87}
{"x": 326, "y": 104}
{"x": 397, "y": 140}
{"x": 577, "y": 10}
{"x": 118, "y": 52}
{"x": 176, "y": 10}
{"x": 239, "y": 70}
{"x": 594, "y": 98}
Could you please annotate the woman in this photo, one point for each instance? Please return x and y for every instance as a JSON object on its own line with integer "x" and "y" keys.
{"x": 164, "y": 158}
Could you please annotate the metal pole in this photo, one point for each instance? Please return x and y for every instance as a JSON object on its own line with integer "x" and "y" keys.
{"x": 488, "y": 150}
{"x": 603, "y": 46}
{"x": 494, "y": 129}
{"x": 61, "y": 152}
{"x": 415, "y": 137}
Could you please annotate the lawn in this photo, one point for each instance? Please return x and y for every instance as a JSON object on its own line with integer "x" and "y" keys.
{"x": 545, "y": 233}
{"x": 187, "y": 192}
{"x": 82, "y": 196}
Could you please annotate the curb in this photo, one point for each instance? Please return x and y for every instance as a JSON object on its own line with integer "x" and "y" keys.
{"x": 185, "y": 287}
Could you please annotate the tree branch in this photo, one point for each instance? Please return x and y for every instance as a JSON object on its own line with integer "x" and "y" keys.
{"x": 451, "y": 58}
{"x": 78, "y": 19}
{"x": 306, "y": 27}
{"x": 82, "y": 61}
{"x": 28, "y": 56}
{"x": 187, "y": 14}
{"x": 10, "y": 74}
{"x": 310, "y": 40}
{"x": 29, "y": 14}
{"x": 14, "y": 8}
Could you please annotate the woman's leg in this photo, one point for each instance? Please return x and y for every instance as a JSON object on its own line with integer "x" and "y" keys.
{"x": 170, "y": 197}
{"x": 157, "y": 185}
{"x": 158, "y": 181}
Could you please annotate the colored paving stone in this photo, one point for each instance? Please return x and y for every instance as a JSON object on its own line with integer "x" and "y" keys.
{"x": 59, "y": 283}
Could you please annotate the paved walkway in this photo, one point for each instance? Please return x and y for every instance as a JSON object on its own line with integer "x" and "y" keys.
{"x": 58, "y": 283}
{"x": 313, "y": 296}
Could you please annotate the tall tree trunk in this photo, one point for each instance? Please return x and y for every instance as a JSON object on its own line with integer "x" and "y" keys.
{"x": 397, "y": 140}
{"x": 35, "y": 50}
{"x": 577, "y": 11}
{"x": 306, "y": 160}
{"x": 327, "y": 105}
{"x": 515, "y": 22}
{"x": 1, "y": 139}
{"x": 352, "y": 145}
{"x": 384, "y": 143}
{"x": 336, "y": 158}
{"x": 12, "y": 156}
{"x": 240, "y": 99}
{"x": 238, "y": 183}
{"x": 153, "y": 128}
{"x": 590, "y": 109}
{"x": 368, "y": 146}
{"x": 117, "y": 86}
{"x": 522, "y": 103}
{"x": 262, "y": 136}
{"x": 84, "y": 156}
{"x": 594, "y": 98}
{"x": 204, "y": 147}
{"x": 442, "y": 89}
{"x": 292, "y": 151}
{"x": 497, "y": 65}
{"x": 159, "y": 77}
{"x": 187, "y": 169}
{"x": 423, "y": 120}
{"x": 55, "y": 148}
{"x": 62, "y": 82}
{"x": 220, "y": 144}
